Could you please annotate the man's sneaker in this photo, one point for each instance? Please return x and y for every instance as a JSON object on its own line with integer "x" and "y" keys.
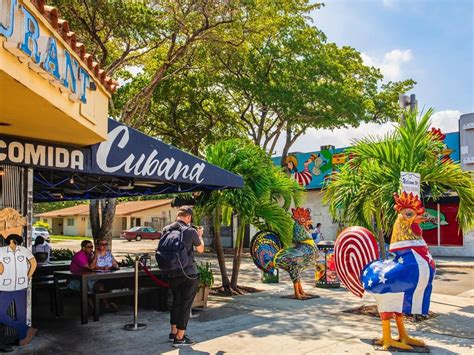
{"x": 183, "y": 342}
{"x": 171, "y": 337}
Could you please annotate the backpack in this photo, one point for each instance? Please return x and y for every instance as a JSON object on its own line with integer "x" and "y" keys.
{"x": 171, "y": 254}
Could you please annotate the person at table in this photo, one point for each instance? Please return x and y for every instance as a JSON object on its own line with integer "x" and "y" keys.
{"x": 41, "y": 250}
{"x": 103, "y": 258}
{"x": 85, "y": 260}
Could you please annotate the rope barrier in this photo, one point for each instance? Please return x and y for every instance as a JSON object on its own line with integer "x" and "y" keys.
{"x": 159, "y": 282}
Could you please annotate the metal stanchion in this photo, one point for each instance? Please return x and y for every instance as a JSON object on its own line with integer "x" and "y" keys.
{"x": 135, "y": 325}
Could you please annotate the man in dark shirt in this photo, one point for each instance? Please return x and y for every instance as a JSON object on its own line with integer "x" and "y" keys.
{"x": 184, "y": 283}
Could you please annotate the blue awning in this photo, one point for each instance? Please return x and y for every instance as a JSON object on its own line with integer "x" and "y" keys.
{"x": 128, "y": 163}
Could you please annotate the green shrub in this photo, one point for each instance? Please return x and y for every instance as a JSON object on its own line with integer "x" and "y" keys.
{"x": 62, "y": 254}
{"x": 127, "y": 261}
{"x": 206, "y": 277}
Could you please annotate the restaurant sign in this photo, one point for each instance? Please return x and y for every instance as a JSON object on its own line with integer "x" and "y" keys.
{"x": 44, "y": 54}
{"x": 126, "y": 153}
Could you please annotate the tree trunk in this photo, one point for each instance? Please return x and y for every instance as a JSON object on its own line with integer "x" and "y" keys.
{"x": 219, "y": 250}
{"x": 286, "y": 148}
{"x": 238, "y": 254}
{"x": 102, "y": 213}
{"x": 380, "y": 236}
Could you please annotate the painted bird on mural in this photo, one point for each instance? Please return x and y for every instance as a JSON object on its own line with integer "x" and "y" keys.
{"x": 403, "y": 283}
{"x": 268, "y": 252}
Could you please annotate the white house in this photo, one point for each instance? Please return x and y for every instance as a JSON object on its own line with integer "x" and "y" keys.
{"x": 75, "y": 220}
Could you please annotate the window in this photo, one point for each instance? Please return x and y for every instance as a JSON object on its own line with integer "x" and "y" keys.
{"x": 124, "y": 223}
{"x": 70, "y": 222}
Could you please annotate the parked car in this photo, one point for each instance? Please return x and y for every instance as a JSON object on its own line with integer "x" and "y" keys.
{"x": 139, "y": 233}
{"x": 40, "y": 231}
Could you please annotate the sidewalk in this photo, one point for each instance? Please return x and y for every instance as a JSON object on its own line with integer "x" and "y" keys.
{"x": 259, "y": 323}
{"x": 454, "y": 262}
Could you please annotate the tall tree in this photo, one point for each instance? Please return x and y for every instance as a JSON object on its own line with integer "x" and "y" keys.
{"x": 294, "y": 79}
{"x": 161, "y": 39}
{"x": 263, "y": 201}
{"x": 362, "y": 191}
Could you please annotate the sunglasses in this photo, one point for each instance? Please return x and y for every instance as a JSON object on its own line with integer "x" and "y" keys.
{"x": 88, "y": 246}
{"x": 103, "y": 244}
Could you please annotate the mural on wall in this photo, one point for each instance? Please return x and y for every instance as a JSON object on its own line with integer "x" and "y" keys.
{"x": 312, "y": 169}
{"x": 17, "y": 265}
{"x": 450, "y": 233}
{"x": 269, "y": 253}
{"x": 401, "y": 284}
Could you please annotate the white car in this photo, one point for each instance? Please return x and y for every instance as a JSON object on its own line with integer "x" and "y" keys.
{"x": 40, "y": 231}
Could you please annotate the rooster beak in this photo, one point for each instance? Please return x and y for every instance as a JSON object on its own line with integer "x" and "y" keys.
{"x": 420, "y": 219}
{"x": 310, "y": 226}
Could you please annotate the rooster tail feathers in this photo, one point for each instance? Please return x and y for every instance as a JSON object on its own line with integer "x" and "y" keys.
{"x": 263, "y": 248}
{"x": 355, "y": 248}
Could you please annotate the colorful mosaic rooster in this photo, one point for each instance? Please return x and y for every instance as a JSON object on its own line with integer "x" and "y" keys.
{"x": 400, "y": 285}
{"x": 268, "y": 252}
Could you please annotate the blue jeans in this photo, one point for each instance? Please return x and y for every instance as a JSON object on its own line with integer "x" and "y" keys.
{"x": 76, "y": 285}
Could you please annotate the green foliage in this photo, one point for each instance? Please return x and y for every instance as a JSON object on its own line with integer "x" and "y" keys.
{"x": 267, "y": 192}
{"x": 52, "y": 206}
{"x": 128, "y": 261}
{"x": 206, "y": 277}
{"x": 62, "y": 254}
{"x": 42, "y": 224}
{"x": 363, "y": 189}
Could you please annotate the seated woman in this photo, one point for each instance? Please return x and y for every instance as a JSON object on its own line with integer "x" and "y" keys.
{"x": 85, "y": 260}
{"x": 103, "y": 258}
{"x": 41, "y": 250}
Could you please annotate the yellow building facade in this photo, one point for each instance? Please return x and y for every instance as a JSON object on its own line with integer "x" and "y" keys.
{"x": 51, "y": 89}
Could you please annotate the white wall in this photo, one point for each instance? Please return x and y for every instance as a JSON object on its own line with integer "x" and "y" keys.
{"x": 320, "y": 214}
{"x": 466, "y": 250}
{"x": 70, "y": 230}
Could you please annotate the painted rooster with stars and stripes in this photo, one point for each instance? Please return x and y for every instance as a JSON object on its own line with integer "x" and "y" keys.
{"x": 401, "y": 284}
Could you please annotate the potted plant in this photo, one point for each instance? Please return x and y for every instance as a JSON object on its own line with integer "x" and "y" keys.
{"x": 206, "y": 280}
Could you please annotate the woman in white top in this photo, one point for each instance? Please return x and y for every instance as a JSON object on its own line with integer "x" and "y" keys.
{"x": 41, "y": 250}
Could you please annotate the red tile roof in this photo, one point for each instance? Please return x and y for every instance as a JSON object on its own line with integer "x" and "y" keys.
{"x": 122, "y": 209}
{"x": 51, "y": 14}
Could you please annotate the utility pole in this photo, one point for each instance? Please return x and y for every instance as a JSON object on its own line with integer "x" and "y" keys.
{"x": 405, "y": 102}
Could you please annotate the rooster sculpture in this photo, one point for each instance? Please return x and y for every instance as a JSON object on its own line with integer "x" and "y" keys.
{"x": 400, "y": 285}
{"x": 268, "y": 252}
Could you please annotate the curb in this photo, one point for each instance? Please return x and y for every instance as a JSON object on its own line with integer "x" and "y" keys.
{"x": 454, "y": 266}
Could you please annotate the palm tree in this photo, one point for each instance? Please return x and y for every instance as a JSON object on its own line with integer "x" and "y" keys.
{"x": 263, "y": 201}
{"x": 362, "y": 191}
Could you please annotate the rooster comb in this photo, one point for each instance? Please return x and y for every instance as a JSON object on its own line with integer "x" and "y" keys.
{"x": 437, "y": 134}
{"x": 408, "y": 201}
{"x": 301, "y": 214}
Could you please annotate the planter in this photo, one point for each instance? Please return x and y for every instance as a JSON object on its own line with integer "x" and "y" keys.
{"x": 201, "y": 297}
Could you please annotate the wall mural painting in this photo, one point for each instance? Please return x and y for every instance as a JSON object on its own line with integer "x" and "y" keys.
{"x": 17, "y": 265}
{"x": 312, "y": 169}
{"x": 450, "y": 233}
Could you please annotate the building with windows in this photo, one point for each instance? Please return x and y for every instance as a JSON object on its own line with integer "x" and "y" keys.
{"x": 75, "y": 220}
{"x": 445, "y": 238}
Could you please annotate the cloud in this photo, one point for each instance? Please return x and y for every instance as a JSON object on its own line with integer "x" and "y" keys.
{"x": 447, "y": 120}
{"x": 391, "y": 64}
{"x": 344, "y": 137}
{"x": 388, "y": 3}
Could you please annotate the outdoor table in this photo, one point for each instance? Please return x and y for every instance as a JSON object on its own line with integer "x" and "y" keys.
{"x": 84, "y": 277}
{"x": 48, "y": 268}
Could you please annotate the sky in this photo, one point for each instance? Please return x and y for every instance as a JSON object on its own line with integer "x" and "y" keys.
{"x": 430, "y": 41}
